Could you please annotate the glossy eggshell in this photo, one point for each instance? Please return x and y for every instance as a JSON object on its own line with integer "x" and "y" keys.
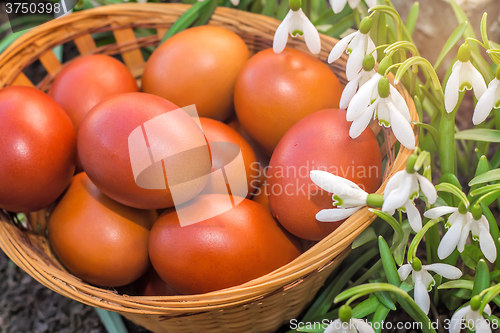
{"x": 98, "y": 239}
{"x": 197, "y": 66}
{"x": 319, "y": 141}
{"x": 275, "y": 90}
{"x": 103, "y": 147}
{"x": 262, "y": 197}
{"x": 229, "y": 249}
{"x": 37, "y": 149}
{"x": 216, "y": 131}
{"x": 88, "y": 80}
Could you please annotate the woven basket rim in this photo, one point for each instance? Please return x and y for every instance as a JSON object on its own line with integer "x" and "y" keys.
{"x": 316, "y": 258}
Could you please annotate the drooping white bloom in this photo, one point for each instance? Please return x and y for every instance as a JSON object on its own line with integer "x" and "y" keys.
{"x": 347, "y": 196}
{"x": 480, "y": 230}
{"x": 489, "y": 100}
{"x": 354, "y": 325}
{"x": 400, "y": 192}
{"x": 473, "y": 320}
{"x": 338, "y": 5}
{"x": 455, "y": 225}
{"x": 357, "y": 45}
{"x": 352, "y": 86}
{"x": 463, "y": 76}
{"x": 391, "y": 111}
{"x": 423, "y": 280}
{"x": 296, "y": 24}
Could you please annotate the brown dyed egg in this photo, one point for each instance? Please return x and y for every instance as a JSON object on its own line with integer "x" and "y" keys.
{"x": 98, "y": 239}
{"x": 225, "y": 146}
{"x": 275, "y": 90}
{"x": 88, "y": 80}
{"x": 197, "y": 66}
{"x": 261, "y": 196}
{"x": 320, "y": 141}
{"x": 142, "y": 150}
{"x": 37, "y": 149}
{"x": 228, "y": 246}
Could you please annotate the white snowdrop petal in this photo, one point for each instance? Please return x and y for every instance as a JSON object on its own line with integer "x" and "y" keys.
{"x": 335, "y": 214}
{"x": 404, "y": 271}
{"x": 370, "y": 48}
{"x": 355, "y": 61}
{"x": 427, "y": 188}
{"x": 332, "y": 183}
{"x": 311, "y": 35}
{"x": 450, "y": 239}
{"x": 463, "y": 237}
{"x": 477, "y": 81}
{"x": 487, "y": 310}
{"x": 400, "y": 103}
{"x": 436, "y": 212}
{"x": 359, "y": 124}
{"x": 338, "y": 5}
{"x": 349, "y": 91}
{"x": 486, "y": 242}
{"x": 340, "y": 47}
{"x": 333, "y": 327}
{"x": 366, "y": 77}
{"x": 362, "y": 326}
{"x": 452, "y": 87}
{"x": 482, "y": 326}
{"x": 414, "y": 217}
{"x": 456, "y": 319}
{"x": 360, "y": 102}
{"x": 371, "y": 3}
{"x": 421, "y": 296}
{"x": 235, "y": 2}
{"x": 398, "y": 197}
{"x": 393, "y": 182}
{"x": 445, "y": 270}
{"x": 486, "y": 103}
{"x": 281, "y": 34}
{"x": 401, "y": 127}
{"x": 353, "y": 3}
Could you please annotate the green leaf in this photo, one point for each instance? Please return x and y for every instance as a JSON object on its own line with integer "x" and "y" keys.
{"x": 492, "y": 175}
{"x": 206, "y": 15}
{"x": 366, "y": 236}
{"x": 392, "y": 222}
{"x": 471, "y": 256}
{"x": 379, "y": 316}
{"x": 282, "y": 10}
{"x": 400, "y": 250}
{"x": 385, "y": 299}
{"x": 450, "y": 43}
{"x": 340, "y": 27}
{"x": 482, "y": 167}
{"x": 432, "y": 131}
{"x": 365, "y": 308}
{"x": 458, "y": 284}
{"x": 330, "y": 18}
{"x": 484, "y": 33}
{"x": 479, "y": 134}
{"x": 482, "y": 278}
{"x": 112, "y": 321}
{"x": 269, "y": 7}
{"x": 9, "y": 39}
{"x": 482, "y": 65}
{"x": 388, "y": 262}
{"x": 462, "y": 17}
{"x": 411, "y": 20}
{"x": 450, "y": 188}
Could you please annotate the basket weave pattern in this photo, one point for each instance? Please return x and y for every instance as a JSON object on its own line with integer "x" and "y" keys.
{"x": 261, "y": 305}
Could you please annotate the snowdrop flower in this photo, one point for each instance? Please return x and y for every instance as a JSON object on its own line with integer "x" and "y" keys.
{"x": 423, "y": 280}
{"x": 357, "y": 45}
{"x": 366, "y": 73}
{"x": 338, "y": 5}
{"x": 480, "y": 229}
{"x": 347, "y": 196}
{"x": 377, "y": 98}
{"x": 403, "y": 188}
{"x": 458, "y": 219}
{"x": 347, "y": 324}
{"x": 296, "y": 23}
{"x": 463, "y": 76}
{"x": 489, "y": 101}
{"x": 473, "y": 320}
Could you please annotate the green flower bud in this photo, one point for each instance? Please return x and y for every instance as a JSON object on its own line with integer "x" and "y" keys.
{"x": 477, "y": 212}
{"x": 416, "y": 265}
{"x": 384, "y": 64}
{"x": 498, "y": 72}
{"x": 384, "y": 87}
{"x": 369, "y": 63}
{"x": 464, "y": 53}
{"x": 475, "y": 303}
{"x": 295, "y": 5}
{"x": 461, "y": 208}
{"x": 345, "y": 313}
{"x": 375, "y": 200}
{"x": 365, "y": 25}
{"x": 410, "y": 163}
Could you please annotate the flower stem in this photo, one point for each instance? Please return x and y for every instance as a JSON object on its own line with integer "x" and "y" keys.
{"x": 447, "y": 142}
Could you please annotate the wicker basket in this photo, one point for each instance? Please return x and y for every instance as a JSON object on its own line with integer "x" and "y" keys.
{"x": 261, "y": 305}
